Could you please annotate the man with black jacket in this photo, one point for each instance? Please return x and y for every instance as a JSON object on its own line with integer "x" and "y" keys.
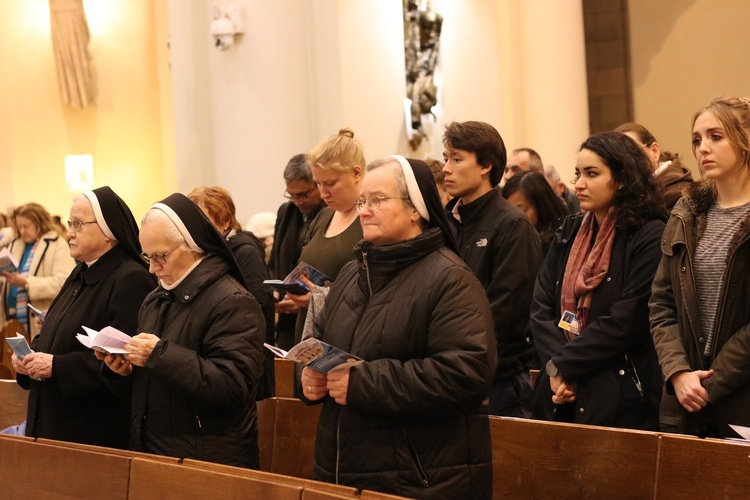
{"x": 502, "y": 248}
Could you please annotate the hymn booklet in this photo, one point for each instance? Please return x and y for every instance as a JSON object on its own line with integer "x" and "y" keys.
{"x": 317, "y": 355}
{"x": 8, "y": 262}
{"x": 108, "y": 341}
{"x": 294, "y": 285}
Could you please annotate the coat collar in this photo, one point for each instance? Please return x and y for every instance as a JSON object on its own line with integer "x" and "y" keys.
{"x": 208, "y": 271}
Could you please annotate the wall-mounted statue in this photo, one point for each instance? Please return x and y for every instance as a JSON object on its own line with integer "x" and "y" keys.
{"x": 421, "y": 44}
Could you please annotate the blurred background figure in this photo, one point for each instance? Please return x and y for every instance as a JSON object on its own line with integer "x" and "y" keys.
{"x": 436, "y": 167}
{"x": 522, "y": 160}
{"x": 670, "y": 174}
{"x": 292, "y": 222}
{"x": 530, "y": 192}
{"x": 7, "y": 230}
{"x": 561, "y": 189}
{"x": 44, "y": 264}
{"x": 72, "y": 402}
{"x": 262, "y": 225}
{"x": 217, "y": 204}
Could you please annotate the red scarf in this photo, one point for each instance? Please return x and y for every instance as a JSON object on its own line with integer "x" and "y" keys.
{"x": 587, "y": 266}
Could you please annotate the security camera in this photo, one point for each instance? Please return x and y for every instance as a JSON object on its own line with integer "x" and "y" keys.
{"x": 228, "y": 22}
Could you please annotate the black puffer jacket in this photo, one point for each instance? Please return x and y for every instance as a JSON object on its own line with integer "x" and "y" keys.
{"x": 195, "y": 396}
{"x": 415, "y": 423}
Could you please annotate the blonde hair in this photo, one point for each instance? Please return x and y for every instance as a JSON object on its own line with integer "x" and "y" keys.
{"x": 339, "y": 152}
{"x": 734, "y": 115}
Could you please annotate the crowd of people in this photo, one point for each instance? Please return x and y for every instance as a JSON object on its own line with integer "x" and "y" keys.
{"x": 449, "y": 279}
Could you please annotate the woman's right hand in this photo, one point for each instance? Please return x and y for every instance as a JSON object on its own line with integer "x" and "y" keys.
{"x": 688, "y": 388}
{"x": 314, "y": 384}
{"x": 116, "y": 362}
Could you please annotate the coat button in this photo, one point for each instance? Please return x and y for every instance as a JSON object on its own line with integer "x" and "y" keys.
{"x": 581, "y": 410}
{"x": 621, "y": 372}
{"x": 564, "y": 240}
{"x": 609, "y": 279}
{"x": 683, "y": 269}
{"x": 701, "y": 340}
{"x": 187, "y": 297}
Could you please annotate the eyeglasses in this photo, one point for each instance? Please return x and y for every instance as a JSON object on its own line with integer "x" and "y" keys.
{"x": 77, "y": 225}
{"x": 374, "y": 202}
{"x": 298, "y": 196}
{"x": 158, "y": 259}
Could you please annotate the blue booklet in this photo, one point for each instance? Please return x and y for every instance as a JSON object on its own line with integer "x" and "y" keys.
{"x": 8, "y": 263}
{"x": 292, "y": 284}
{"x": 317, "y": 355}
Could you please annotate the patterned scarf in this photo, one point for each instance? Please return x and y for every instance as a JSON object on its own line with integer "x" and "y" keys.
{"x": 22, "y": 295}
{"x": 588, "y": 264}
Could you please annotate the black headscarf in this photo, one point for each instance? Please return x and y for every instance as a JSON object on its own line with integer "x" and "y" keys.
{"x": 426, "y": 198}
{"x": 116, "y": 220}
{"x": 200, "y": 234}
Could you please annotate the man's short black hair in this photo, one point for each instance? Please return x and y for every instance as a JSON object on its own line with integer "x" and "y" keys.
{"x": 483, "y": 140}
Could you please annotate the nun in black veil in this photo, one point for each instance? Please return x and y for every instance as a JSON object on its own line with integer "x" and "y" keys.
{"x": 69, "y": 401}
{"x": 417, "y": 315}
{"x": 196, "y": 362}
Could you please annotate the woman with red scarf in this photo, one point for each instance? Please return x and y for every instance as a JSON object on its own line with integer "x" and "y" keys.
{"x": 589, "y": 316}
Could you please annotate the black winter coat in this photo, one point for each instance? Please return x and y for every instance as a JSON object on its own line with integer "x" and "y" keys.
{"x": 612, "y": 361}
{"x": 250, "y": 253}
{"x": 75, "y": 404}
{"x": 500, "y": 245}
{"x": 415, "y": 423}
{"x": 195, "y": 396}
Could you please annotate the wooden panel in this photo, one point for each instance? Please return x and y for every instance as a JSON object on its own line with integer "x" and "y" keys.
{"x": 110, "y": 451}
{"x": 346, "y": 491}
{"x": 156, "y": 480}
{"x": 13, "y": 399}
{"x": 11, "y": 329}
{"x": 35, "y": 470}
{"x": 533, "y": 459}
{"x": 702, "y": 468}
{"x": 294, "y": 438}
{"x": 313, "y": 494}
{"x": 284, "y": 372}
{"x": 376, "y": 495}
{"x": 266, "y": 425}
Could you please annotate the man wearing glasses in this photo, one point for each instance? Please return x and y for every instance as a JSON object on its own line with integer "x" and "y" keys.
{"x": 292, "y": 222}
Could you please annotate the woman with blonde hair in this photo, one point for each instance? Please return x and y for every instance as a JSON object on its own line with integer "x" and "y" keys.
{"x": 700, "y": 306}
{"x": 44, "y": 264}
{"x": 337, "y": 165}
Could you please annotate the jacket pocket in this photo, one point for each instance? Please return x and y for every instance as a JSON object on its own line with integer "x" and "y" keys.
{"x": 415, "y": 460}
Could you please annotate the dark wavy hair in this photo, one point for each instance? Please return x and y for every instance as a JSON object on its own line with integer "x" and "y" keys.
{"x": 638, "y": 200}
{"x": 550, "y": 208}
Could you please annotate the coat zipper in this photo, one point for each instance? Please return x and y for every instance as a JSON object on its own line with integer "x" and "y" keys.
{"x": 338, "y": 418}
{"x": 415, "y": 458}
{"x": 634, "y": 376}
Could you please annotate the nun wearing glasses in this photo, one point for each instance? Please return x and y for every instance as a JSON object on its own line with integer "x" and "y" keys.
{"x": 68, "y": 400}
{"x": 412, "y": 418}
{"x": 197, "y": 359}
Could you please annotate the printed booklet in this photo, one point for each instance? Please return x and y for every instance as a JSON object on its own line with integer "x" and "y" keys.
{"x": 108, "y": 341}
{"x": 294, "y": 285}
{"x": 317, "y": 355}
{"x": 8, "y": 263}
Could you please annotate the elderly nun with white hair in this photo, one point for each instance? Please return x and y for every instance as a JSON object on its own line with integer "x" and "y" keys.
{"x": 68, "y": 400}
{"x": 412, "y": 418}
{"x": 196, "y": 362}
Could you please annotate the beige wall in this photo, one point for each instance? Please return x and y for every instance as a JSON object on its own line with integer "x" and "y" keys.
{"x": 684, "y": 53}
{"x": 124, "y": 131}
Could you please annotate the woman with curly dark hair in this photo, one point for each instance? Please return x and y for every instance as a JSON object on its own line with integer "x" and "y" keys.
{"x": 589, "y": 316}
{"x": 531, "y": 192}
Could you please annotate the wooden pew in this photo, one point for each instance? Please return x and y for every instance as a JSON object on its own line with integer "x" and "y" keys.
{"x": 317, "y": 486}
{"x": 690, "y": 467}
{"x": 284, "y": 374}
{"x": 13, "y": 400}
{"x": 286, "y": 436}
{"x": 35, "y": 470}
{"x": 376, "y": 495}
{"x": 157, "y": 480}
{"x": 110, "y": 451}
{"x": 10, "y": 329}
{"x": 534, "y": 459}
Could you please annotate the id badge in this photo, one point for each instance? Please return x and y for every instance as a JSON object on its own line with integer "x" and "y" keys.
{"x": 569, "y": 323}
